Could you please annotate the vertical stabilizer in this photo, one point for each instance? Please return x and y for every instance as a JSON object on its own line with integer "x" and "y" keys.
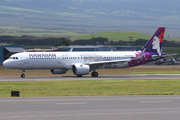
{"x": 155, "y": 43}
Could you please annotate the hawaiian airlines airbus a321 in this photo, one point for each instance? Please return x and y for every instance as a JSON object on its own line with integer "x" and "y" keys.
{"x": 81, "y": 63}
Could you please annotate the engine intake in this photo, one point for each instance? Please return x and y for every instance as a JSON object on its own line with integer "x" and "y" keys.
{"x": 79, "y": 69}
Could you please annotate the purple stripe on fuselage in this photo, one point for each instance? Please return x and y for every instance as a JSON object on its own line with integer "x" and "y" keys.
{"x": 146, "y": 58}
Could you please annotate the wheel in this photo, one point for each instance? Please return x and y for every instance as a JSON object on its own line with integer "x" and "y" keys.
{"x": 94, "y": 74}
{"x": 23, "y": 76}
{"x": 79, "y": 75}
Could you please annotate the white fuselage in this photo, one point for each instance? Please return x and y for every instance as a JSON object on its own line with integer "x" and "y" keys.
{"x": 58, "y": 60}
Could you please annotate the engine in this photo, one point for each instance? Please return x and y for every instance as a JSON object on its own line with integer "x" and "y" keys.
{"x": 79, "y": 69}
{"x": 58, "y": 71}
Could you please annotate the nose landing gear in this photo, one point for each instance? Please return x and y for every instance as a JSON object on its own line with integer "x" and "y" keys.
{"x": 23, "y": 74}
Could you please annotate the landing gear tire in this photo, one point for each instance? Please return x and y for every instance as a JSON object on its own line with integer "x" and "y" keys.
{"x": 79, "y": 75}
{"x": 23, "y": 76}
{"x": 94, "y": 74}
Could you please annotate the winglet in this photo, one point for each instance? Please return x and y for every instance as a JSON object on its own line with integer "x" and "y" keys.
{"x": 140, "y": 56}
{"x": 141, "y": 53}
{"x": 71, "y": 49}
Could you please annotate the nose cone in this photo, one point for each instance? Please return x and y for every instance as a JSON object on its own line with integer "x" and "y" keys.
{"x": 5, "y": 64}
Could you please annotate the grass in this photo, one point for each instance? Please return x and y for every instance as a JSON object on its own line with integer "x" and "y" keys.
{"x": 120, "y": 35}
{"x": 161, "y": 72}
{"x": 115, "y": 36}
{"x": 91, "y": 88}
{"x": 171, "y": 50}
{"x": 15, "y": 31}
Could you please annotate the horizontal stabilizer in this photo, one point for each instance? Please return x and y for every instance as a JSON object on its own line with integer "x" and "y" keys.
{"x": 162, "y": 56}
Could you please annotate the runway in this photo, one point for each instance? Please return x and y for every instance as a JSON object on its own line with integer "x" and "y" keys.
{"x": 114, "y": 77}
{"x": 88, "y": 108}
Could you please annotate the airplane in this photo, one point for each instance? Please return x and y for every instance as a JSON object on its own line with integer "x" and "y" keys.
{"x": 81, "y": 63}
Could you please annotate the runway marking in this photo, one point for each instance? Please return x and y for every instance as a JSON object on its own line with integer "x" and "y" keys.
{"x": 143, "y": 112}
{"x": 153, "y": 101}
{"x": 63, "y": 114}
{"x": 48, "y": 115}
{"x": 71, "y": 103}
{"x": 31, "y": 116}
{"x": 127, "y": 113}
{"x": 97, "y": 113}
{"x": 112, "y": 113}
{"x": 174, "y": 111}
{"x": 14, "y": 116}
{"x": 159, "y": 112}
{"x": 81, "y": 114}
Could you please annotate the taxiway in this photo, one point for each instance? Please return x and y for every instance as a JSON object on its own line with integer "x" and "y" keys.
{"x": 105, "y": 77}
{"x": 88, "y": 108}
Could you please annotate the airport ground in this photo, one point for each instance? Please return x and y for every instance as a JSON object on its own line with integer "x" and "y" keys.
{"x": 136, "y": 107}
{"x": 144, "y": 69}
{"x": 96, "y": 108}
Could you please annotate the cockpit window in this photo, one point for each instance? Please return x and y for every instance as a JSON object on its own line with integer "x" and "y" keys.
{"x": 15, "y": 58}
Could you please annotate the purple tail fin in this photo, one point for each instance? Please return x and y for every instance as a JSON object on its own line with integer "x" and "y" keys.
{"x": 155, "y": 43}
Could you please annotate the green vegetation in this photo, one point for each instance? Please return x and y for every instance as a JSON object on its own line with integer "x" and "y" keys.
{"x": 161, "y": 72}
{"x": 119, "y": 35}
{"x": 171, "y": 50}
{"x": 115, "y": 36}
{"x": 91, "y": 88}
{"x": 15, "y": 31}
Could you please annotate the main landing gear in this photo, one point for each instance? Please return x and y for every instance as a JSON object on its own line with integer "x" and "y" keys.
{"x": 23, "y": 74}
{"x": 79, "y": 75}
{"x": 94, "y": 74}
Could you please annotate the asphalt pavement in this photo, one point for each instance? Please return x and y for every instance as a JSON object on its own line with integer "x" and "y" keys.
{"x": 91, "y": 108}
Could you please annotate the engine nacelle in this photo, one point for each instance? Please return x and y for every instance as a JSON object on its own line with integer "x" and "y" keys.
{"x": 79, "y": 69}
{"x": 58, "y": 71}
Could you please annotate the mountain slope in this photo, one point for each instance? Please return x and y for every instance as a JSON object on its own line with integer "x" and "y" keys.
{"x": 92, "y": 16}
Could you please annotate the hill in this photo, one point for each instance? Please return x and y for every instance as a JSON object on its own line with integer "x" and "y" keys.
{"x": 115, "y": 36}
{"x": 91, "y": 16}
{"x": 14, "y": 31}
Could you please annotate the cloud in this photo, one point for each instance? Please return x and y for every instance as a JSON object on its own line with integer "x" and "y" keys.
{"x": 20, "y": 9}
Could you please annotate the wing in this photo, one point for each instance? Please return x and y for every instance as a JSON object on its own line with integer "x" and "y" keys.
{"x": 108, "y": 62}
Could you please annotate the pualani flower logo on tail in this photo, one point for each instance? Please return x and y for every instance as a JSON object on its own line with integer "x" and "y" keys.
{"x": 157, "y": 41}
